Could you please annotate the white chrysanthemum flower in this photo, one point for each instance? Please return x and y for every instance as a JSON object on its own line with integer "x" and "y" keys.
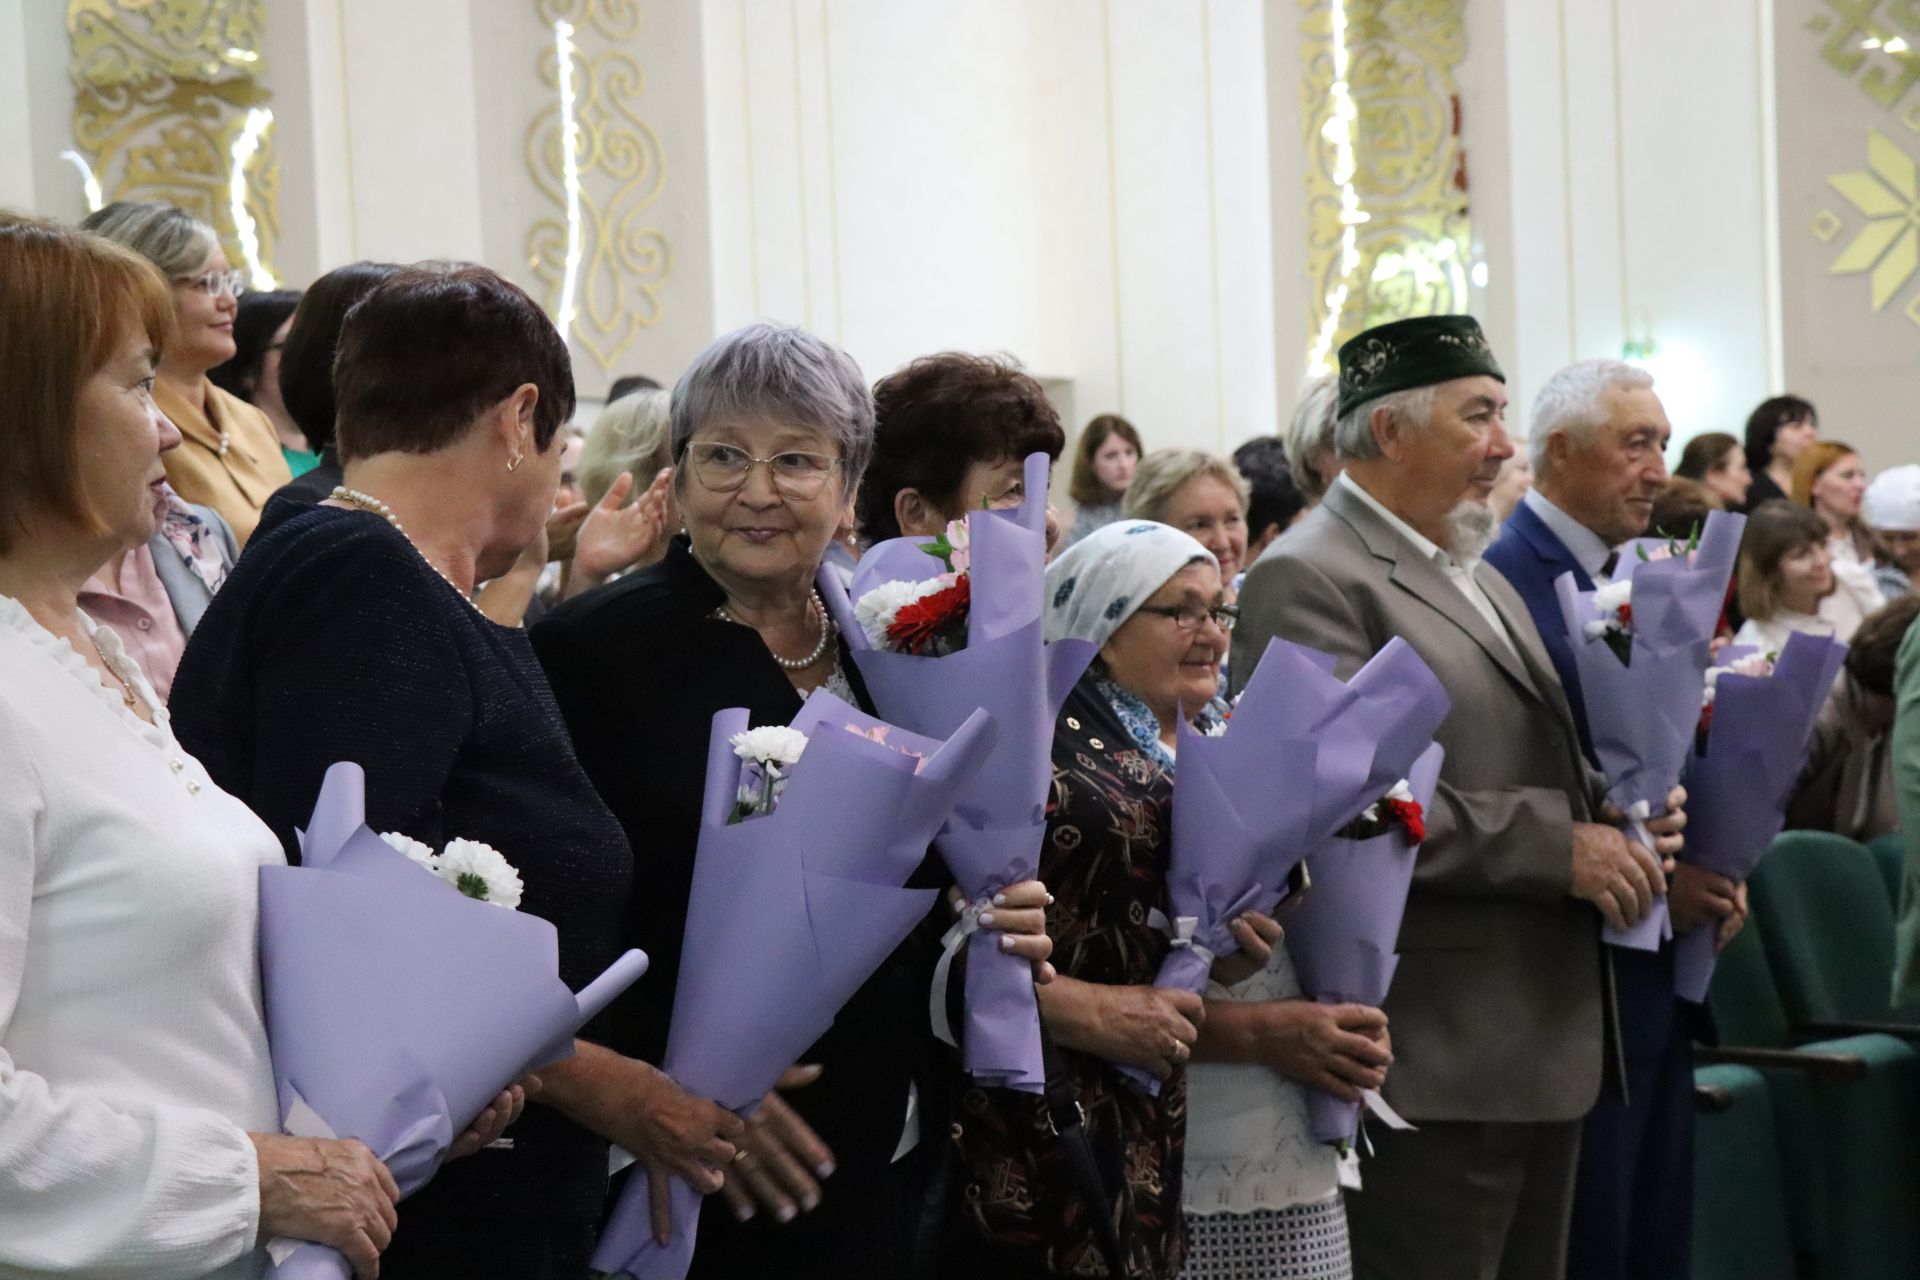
{"x": 1401, "y": 791}
{"x": 420, "y": 854}
{"x": 875, "y": 610}
{"x": 479, "y": 871}
{"x": 770, "y": 745}
{"x": 1594, "y": 630}
{"x": 1609, "y": 598}
{"x": 1754, "y": 664}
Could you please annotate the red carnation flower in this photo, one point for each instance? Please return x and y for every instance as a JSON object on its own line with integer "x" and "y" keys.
{"x": 1626, "y": 614}
{"x": 919, "y": 624}
{"x": 1410, "y": 815}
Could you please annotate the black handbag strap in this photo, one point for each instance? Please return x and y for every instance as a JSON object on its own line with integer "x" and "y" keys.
{"x": 1070, "y": 1124}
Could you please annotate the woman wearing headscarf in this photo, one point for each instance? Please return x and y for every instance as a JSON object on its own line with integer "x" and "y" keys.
{"x": 1151, "y": 598}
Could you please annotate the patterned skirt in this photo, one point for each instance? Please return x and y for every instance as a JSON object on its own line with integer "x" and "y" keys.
{"x": 1304, "y": 1242}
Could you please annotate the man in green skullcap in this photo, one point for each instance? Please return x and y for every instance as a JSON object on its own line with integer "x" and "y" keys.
{"x": 1498, "y": 1010}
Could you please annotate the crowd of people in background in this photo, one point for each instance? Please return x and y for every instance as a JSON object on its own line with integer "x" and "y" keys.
{"x": 244, "y": 535}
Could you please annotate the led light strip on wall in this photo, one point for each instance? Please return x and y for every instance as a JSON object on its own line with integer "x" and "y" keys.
{"x": 570, "y": 176}
{"x": 1343, "y": 120}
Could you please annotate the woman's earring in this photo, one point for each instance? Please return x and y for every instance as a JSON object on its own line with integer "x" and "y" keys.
{"x": 513, "y": 463}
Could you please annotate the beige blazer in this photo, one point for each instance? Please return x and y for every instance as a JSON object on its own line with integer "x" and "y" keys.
{"x": 1501, "y": 1009}
{"x": 237, "y": 484}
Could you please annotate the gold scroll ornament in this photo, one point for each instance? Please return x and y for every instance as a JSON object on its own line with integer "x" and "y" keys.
{"x": 624, "y": 257}
{"x": 162, "y": 92}
{"x": 1409, "y": 176}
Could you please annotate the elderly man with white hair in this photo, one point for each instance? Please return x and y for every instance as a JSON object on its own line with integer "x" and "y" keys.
{"x": 1599, "y": 435}
{"x": 1499, "y": 1008}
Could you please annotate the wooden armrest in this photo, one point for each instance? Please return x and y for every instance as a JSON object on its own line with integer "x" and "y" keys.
{"x": 1711, "y": 1098}
{"x": 1821, "y": 1066}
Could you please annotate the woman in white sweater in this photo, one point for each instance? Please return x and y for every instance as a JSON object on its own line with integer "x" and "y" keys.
{"x": 138, "y": 1123}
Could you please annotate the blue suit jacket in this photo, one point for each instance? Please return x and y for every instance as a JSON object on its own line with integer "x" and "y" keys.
{"x": 1531, "y": 556}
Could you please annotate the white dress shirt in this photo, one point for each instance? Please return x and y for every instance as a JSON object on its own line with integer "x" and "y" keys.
{"x": 1457, "y": 571}
{"x": 1588, "y": 551}
{"x": 133, "y": 1052}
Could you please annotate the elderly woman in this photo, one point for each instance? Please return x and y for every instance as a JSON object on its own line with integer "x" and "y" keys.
{"x": 951, "y": 435}
{"x": 771, "y": 430}
{"x": 1785, "y": 573}
{"x": 138, "y": 1124}
{"x": 1151, "y": 597}
{"x": 229, "y": 458}
{"x": 347, "y": 633}
{"x": 1777, "y": 431}
{"x": 253, "y": 374}
{"x": 1199, "y": 494}
{"x": 1891, "y": 509}
{"x": 1103, "y": 464}
{"x": 1716, "y": 460}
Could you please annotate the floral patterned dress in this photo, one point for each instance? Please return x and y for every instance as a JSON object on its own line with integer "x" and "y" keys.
{"x": 1017, "y": 1211}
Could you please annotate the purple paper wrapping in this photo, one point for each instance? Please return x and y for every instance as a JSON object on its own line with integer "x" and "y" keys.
{"x": 1642, "y": 717}
{"x": 1333, "y": 746}
{"x": 1341, "y": 937}
{"x": 1737, "y": 792}
{"x": 789, "y": 914}
{"x": 397, "y": 1007}
{"x": 994, "y": 835}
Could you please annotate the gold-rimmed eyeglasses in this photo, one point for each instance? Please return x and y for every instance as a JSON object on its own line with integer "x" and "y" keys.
{"x": 723, "y": 468}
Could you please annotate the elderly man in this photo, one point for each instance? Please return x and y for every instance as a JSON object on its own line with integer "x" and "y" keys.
{"x": 1599, "y": 436}
{"x": 1502, "y": 1026}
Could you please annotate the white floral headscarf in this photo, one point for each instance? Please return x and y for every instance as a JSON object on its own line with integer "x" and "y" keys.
{"x": 1099, "y": 581}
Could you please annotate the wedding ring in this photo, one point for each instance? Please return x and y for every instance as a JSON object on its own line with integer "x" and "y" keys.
{"x": 738, "y": 1156}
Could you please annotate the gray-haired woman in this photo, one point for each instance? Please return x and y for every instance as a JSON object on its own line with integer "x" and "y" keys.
{"x": 771, "y": 429}
{"x": 229, "y": 456}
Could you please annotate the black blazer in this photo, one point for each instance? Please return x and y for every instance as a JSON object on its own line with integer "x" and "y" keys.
{"x": 639, "y": 668}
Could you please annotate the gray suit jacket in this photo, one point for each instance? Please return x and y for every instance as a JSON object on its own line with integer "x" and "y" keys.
{"x": 1501, "y": 1009}
{"x": 185, "y": 591}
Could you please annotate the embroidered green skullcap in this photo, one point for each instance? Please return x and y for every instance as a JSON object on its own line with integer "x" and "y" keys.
{"x": 1420, "y": 352}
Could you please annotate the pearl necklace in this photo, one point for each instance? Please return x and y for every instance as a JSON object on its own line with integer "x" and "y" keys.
{"x": 367, "y": 502}
{"x": 794, "y": 664}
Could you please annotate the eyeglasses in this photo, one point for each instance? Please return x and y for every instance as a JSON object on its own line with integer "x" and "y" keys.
{"x": 1189, "y": 617}
{"x": 722, "y": 468}
{"x": 215, "y": 283}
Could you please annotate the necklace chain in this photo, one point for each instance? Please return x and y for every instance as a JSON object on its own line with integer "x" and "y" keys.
{"x": 126, "y": 685}
{"x": 795, "y": 664}
{"x": 368, "y": 503}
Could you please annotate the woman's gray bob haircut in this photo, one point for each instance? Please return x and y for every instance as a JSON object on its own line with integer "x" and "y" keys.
{"x": 1570, "y": 403}
{"x": 778, "y": 371}
{"x": 166, "y": 235}
{"x": 1353, "y": 434}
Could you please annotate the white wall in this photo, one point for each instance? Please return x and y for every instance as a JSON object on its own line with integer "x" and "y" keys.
{"x": 996, "y": 175}
{"x": 1621, "y": 184}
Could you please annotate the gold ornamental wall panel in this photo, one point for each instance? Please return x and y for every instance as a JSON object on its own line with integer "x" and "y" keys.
{"x": 601, "y": 254}
{"x": 170, "y": 104}
{"x": 1388, "y": 235}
